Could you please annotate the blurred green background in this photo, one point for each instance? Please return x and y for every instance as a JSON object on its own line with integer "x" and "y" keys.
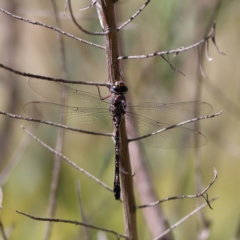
{"x": 163, "y": 25}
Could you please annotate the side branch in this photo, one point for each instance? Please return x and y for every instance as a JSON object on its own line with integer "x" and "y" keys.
{"x": 134, "y": 15}
{"x": 55, "y": 124}
{"x": 175, "y": 51}
{"x": 184, "y": 219}
{"x": 81, "y": 28}
{"x": 52, "y": 28}
{"x": 68, "y": 160}
{"x": 176, "y": 125}
{"x": 30, "y": 75}
{"x": 185, "y": 196}
{"x": 90, "y": 6}
{"x": 73, "y": 222}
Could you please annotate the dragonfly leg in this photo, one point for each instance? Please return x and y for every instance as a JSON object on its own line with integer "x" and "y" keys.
{"x": 99, "y": 93}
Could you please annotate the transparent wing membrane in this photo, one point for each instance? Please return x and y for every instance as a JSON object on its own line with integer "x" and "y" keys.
{"x": 86, "y": 111}
{"x": 90, "y": 119}
{"x": 62, "y": 94}
{"x": 170, "y": 113}
{"x": 172, "y": 138}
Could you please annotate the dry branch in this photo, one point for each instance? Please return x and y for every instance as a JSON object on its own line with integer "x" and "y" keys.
{"x": 73, "y": 222}
{"x": 52, "y": 28}
{"x": 185, "y": 196}
{"x": 68, "y": 160}
{"x": 174, "y": 51}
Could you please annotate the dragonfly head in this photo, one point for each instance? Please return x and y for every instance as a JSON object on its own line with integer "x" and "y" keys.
{"x": 119, "y": 87}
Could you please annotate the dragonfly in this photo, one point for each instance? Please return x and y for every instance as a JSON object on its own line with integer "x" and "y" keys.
{"x": 89, "y": 112}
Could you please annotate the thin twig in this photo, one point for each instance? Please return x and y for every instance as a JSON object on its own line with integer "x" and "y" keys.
{"x": 90, "y": 6}
{"x": 60, "y": 41}
{"x": 55, "y": 124}
{"x": 175, "y": 51}
{"x": 30, "y": 75}
{"x": 134, "y": 15}
{"x": 207, "y": 52}
{"x": 67, "y": 160}
{"x": 1, "y": 198}
{"x": 73, "y": 222}
{"x": 15, "y": 158}
{"x": 65, "y": 8}
{"x": 52, "y": 28}
{"x": 4, "y": 236}
{"x": 201, "y": 194}
{"x": 184, "y": 219}
{"x": 82, "y": 29}
{"x": 175, "y": 125}
{"x": 81, "y": 210}
{"x": 171, "y": 65}
{"x": 200, "y": 62}
{"x": 2, "y": 231}
{"x": 214, "y": 40}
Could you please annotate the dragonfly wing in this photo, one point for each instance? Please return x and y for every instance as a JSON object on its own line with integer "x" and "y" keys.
{"x": 91, "y": 119}
{"x": 178, "y": 137}
{"x": 170, "y": 113}
{"x": 64, "y": 95}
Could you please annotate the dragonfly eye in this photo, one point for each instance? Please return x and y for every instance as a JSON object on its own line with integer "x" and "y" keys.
{"x": 119, "y": 87}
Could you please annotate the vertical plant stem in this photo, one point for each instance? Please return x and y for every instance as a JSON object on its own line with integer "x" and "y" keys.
{"x": 11, "y": 85}
{"x": 154, "y": 216}
{"x": 2, "y": 231}
{"x": 59, "y": 143}
{"x": 203, "y": 231}
{"x": 107, "y": 19}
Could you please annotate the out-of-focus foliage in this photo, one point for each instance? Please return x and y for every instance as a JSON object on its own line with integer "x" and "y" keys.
{"x": 163, "y": 25}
